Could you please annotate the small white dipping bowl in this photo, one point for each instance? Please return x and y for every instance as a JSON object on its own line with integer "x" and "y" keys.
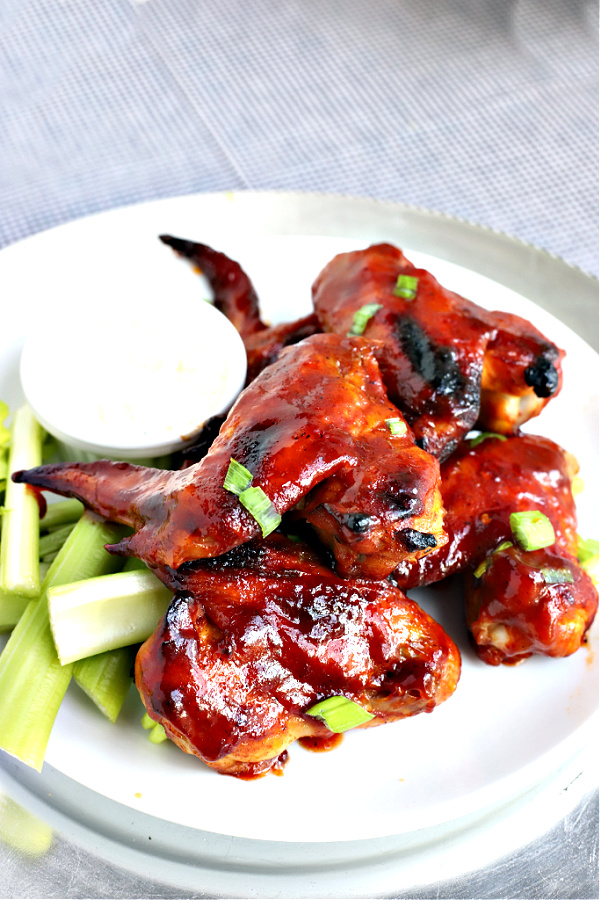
{"x": 127, "y": 378}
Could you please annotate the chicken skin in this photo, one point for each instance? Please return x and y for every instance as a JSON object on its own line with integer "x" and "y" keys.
{"x": 523, "y": 603}
{"x": 234, "y": 294}
{"x": 314, "y": 433}
{"x": 446, "y": 362}
{"x": 254, "y": 639}
{"x": 263, "y": 347}
{"x": 518, "y": 602}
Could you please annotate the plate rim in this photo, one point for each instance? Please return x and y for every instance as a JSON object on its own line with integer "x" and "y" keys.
{"x": 375, "y": 204}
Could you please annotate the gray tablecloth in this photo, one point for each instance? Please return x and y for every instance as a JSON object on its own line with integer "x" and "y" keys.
{"x": 482, "y": 109}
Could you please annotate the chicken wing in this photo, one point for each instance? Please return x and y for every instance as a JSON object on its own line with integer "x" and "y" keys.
{"x": 314, "y": 432}
{"x": 254, "y": 639}
{"x": 522, "y": 603}
{"x": 518, "y": 602}
{"x": 235, "y": 296}
{"x": 446, "y": 362}
{"x": 263, "y": 347}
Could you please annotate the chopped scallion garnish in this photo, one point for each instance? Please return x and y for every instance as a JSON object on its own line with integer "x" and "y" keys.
{"x": 532, "y": 529}
{"x": 396, "y": 426}
{"x": 340, "y": 714}
{"x": 474, "y": 442}
{"x": 260, "y": 508}
{"x": 482, "y": 567}
{"x": 238, "y": 478}
{"x": 361, "y": 318}
{"x": 557, "y": 576}
{"x": 406, "y": 287}
{"x": 503, "y": 546}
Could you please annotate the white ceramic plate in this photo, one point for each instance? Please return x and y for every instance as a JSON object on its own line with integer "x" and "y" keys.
{"x": 505, "y": 729}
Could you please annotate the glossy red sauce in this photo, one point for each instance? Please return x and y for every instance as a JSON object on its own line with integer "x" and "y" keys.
{"x": 321, "y": 744}
{"x": 264, "y": 633}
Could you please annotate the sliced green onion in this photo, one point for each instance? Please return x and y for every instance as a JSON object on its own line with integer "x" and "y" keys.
{"x": 557, "y": 576}
{"x": 340, "y": 714}
{"x": 19, "y": 554}
{"x": 480, "y": 438}
{"x": 406, "y": 287}
{"x": 532, "y": 529}
{"x": 482, "y": 567}
{"x": 361, "y": 318}
{"x": 104, "y": 613}
{"x": 396, "y": 426}
{"x": 254, "y": 499}
{"x": 238, "y": 478}
{"x": 32, "y": 680}
{"x": 503, "y": 546}
{"x": 260, "y": 508}
{"x": 106, "y": 679}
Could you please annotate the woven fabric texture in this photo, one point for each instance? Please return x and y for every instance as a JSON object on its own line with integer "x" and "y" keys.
{"x": 483, "y": 109}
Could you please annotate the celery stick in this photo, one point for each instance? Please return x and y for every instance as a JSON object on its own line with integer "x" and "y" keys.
{"x": 19, "y": 569}
{"x": 32, "y": 686}
{"x": 61, "y": 513}
{"x": 100, "y": 614}
{"x": 11, "y": 610}
{"x": 4, "y": 431}
{"x": 106, "y": 678}
{"x": 53, "y": 541}
{"x": 133, "y": 564}
{"x": 32, "y": 681}
{"x": 48, "y": 558}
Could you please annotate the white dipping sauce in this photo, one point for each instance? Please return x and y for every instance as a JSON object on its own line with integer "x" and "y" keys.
{"x": 135, "y": 368}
